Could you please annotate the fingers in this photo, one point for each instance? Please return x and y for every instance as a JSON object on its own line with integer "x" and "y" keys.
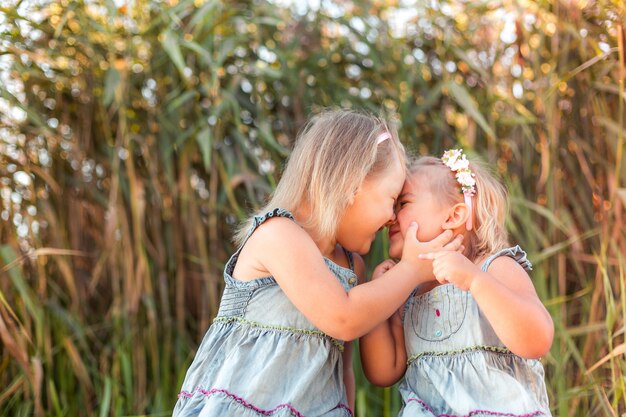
{"x": 443, "y": 238}
{"x": 387, "y": 264}
{"x": 433, "y": 255}
{"x": 382, "y": 268}
{"x": 412, "y": 230}
{"x": 454, "y": 244}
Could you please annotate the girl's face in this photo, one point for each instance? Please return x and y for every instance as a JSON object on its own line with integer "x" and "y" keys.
{"x": 372, "y": 209}
{"x": 416, "y": 203}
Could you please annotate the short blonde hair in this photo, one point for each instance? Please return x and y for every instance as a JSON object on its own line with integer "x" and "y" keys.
{"x": 333, "y": 154}
{"x": 489, "y": 205}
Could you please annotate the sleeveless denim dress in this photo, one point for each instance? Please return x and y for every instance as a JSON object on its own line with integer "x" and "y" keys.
{"x": 262, "y": 357}
{"x": 457, "y": 366}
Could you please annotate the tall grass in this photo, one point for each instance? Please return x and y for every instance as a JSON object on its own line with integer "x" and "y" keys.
{"x": 133, "y": 138}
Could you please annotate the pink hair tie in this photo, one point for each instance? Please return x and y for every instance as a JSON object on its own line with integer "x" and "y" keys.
{"x": 383, "y": 137}
{"x": 468, "y": 201}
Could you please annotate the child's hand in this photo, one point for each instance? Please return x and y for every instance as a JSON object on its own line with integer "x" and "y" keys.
{"x": 452, "y": 267}
{"x": 383, "y": 267}
{"x": 413, "y": 247}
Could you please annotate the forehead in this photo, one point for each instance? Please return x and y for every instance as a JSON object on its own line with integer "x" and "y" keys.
{"x": 419, "y": 177}
{"x": 396, "y": 176}
{"x": 391, "y": 179}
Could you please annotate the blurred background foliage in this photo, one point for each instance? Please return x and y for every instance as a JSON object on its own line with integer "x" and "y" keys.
{"x": 135, "y": 134}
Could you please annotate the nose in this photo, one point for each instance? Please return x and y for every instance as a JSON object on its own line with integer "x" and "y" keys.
{"x": 392, "y": 220}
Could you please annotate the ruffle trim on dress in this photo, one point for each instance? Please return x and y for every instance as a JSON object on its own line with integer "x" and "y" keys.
{"x": 338, "y": 344}
{"x": 515, "y": 252}
{"x": 493, "y": 349}
{"x": 246, "y": 404}
{"x": 476, "y": 412}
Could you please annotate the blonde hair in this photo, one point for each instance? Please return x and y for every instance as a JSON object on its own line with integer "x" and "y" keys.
{"x": 489, "y": 205}
{"x": 333, "y": 154}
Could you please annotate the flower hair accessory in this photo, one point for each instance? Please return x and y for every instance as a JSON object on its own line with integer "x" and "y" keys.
{"x": 456, "y": 160}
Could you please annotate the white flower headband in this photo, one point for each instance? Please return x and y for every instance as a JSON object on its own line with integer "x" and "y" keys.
{"x": 456, "y": 160}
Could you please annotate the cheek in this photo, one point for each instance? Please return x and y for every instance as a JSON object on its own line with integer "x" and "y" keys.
{"x": 405, "y": 217}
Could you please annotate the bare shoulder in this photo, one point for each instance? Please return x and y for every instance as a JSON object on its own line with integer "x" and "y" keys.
{"x": 277, "y": 229}
{"x": 276, "y": 238}
{"x": 507, "y": 264}
{"x": 510, "y": 272}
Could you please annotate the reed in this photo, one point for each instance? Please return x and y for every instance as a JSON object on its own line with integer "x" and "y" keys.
{"x": 134, "y": 137}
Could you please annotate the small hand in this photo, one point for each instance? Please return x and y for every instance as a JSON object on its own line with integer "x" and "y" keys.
{"x": 383, "y": 267}
{"x": 445, "y": 241}
{"x": 453, "y": 267}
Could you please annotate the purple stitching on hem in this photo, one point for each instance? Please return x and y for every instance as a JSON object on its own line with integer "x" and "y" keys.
{"x": 248, "y": 405}
{"x": 474, "y": 412}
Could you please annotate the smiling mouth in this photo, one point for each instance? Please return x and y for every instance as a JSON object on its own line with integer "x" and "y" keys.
{"x": 393, "y": 232}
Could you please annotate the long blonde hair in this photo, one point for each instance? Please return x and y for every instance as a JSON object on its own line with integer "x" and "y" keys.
{"x": 489, "y": 205}
{"x": 333, "y": 154}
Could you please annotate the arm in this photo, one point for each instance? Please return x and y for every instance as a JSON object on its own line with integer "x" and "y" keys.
{"x": 507, "y": 298}
{"x": 289, "y": 254}
{"x": 383, "y": 355}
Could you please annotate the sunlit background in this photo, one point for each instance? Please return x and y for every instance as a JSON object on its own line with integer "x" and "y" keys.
{"x": 134, "y": 136}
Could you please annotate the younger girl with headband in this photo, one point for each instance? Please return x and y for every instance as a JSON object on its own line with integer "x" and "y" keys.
{"x": 467, "y": 341}
{"x": 276, "y": 347}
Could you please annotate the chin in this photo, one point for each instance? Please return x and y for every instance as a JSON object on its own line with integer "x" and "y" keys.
{"x": 361, "y": 250}
{"x": 395, "y": 249}
{"x": 364, "y": 250}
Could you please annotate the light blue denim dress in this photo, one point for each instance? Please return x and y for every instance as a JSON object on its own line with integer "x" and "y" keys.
{"x": 262, "y": 357}
{"x": 457, "y": 366}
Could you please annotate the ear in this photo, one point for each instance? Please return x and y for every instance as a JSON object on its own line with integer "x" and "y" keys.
{"x": 353, "y": 195}
{"x": 457, "y": 217}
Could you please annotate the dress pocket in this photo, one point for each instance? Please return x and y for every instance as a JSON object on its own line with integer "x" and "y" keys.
{"x": 437, "y": 314}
